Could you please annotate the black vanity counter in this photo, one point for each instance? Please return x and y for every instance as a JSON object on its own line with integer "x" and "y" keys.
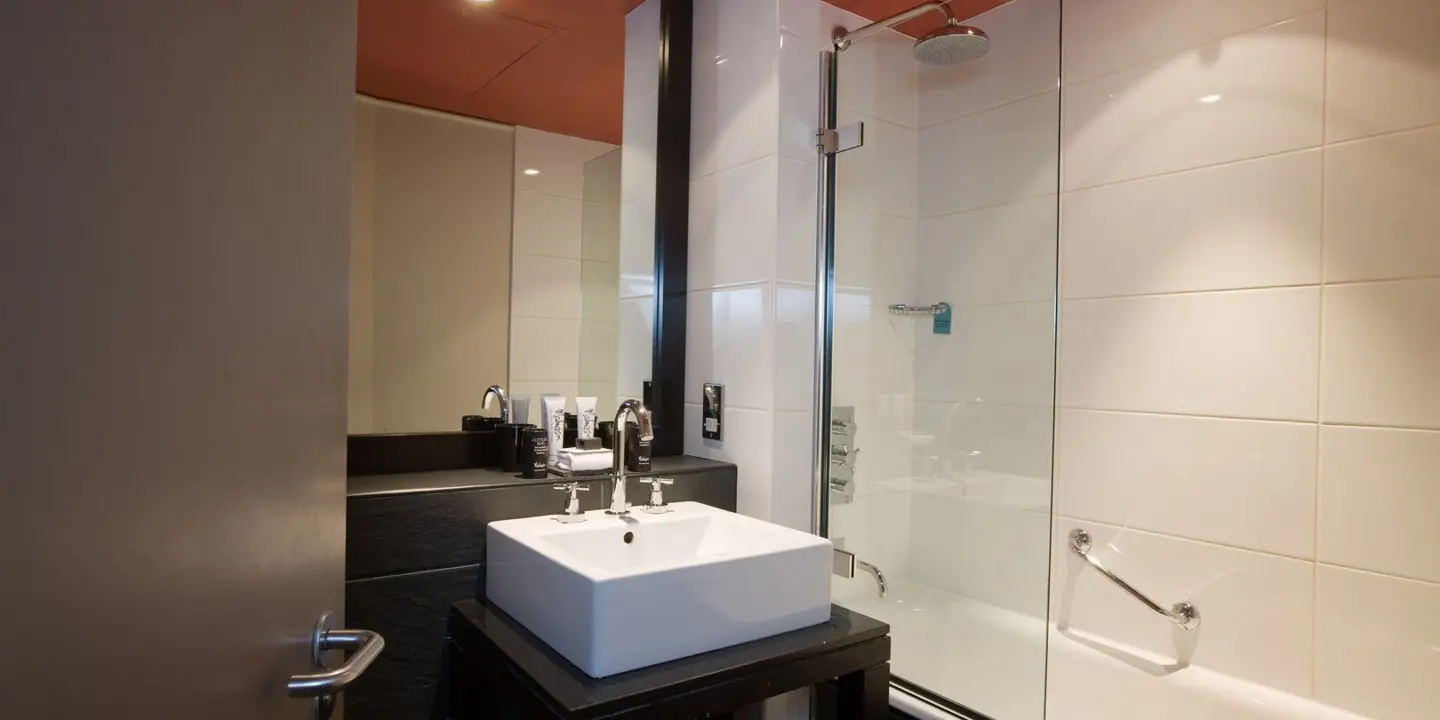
{"x": 500, "y": 669}
{"x": 415, "y": 545}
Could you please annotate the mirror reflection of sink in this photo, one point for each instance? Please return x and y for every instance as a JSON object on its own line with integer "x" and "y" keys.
{"x": 614, "y": 594}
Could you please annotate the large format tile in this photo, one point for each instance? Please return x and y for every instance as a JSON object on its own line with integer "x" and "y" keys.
{"x": 1253, "y": 94}
{"x": 876, "y": 252}
{"x": 637, "y": 327}
{"x": 993, "y": 157}
{"x": 962, "y": 437}
{"x": 1383, "y": 67}
{"x": 729, "y": 339}
{"x": 795, "y": 242}
{"x": 791, "y": 488}
{"x": 1380, "y": 345}
{"x": 1381, "y": 218}
{"x": 1243, "y": 483}
{"x": 1248, "y": 354}
{"x": 734, "y": 104}
{"x": 733, "y": 223}
{"x": 999, "y": 254}
{"x": 560, "y": 160}
{"x": 1024, "y": 60}
{"x": 1103, "y": 36}
{"x": 642, "y": 50}
{"x": 550, "y": 347}
{"x": 547, "y": 224}
{"x": 1375, "y": 644}
{"x": 1243, "y": 225}
{"x": 545, "y": 287}
{"x": 880, "y": 78}
{"x": 723, "y": 26}
{"x": 955, "y": 546}
{"x": 794, "y": 347}
{"x": 1380, "y": 500}
{"x": 881, "y": 175}
{"x": 994, "y": 354}
{"x": 748, "y": 443}
{"x": 1256, "y": 610}
{"x": 799, "y": 97}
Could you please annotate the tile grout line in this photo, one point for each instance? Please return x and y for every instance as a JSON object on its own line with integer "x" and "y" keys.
{"x": 1260, "y": 288}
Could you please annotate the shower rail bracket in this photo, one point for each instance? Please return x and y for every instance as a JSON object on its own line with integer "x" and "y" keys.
{"x": 838, "y": 140}
{"x": 1183, "y": 614}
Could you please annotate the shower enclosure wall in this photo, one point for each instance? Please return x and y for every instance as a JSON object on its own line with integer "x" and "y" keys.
{"x": 1187, "y": 269}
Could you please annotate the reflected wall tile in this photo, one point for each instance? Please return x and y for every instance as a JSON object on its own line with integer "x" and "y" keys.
{"x": 1383, "y": 67}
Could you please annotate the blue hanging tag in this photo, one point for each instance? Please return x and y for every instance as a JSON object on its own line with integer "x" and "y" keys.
{"x": 942, "y": 320}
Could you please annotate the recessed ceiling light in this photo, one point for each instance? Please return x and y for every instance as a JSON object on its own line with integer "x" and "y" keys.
{"x": 482, "y": 2}
{"x": 531, "y": 171}
{"x": 1210, "y": 99}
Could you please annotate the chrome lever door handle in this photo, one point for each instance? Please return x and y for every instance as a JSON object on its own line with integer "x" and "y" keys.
{"x": 365, "y": 645}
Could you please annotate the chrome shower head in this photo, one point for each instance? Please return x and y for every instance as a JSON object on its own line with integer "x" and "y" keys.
{"x": 952, "y": 44}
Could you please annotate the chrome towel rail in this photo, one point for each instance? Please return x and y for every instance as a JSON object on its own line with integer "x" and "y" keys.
{"x": 1182, "y": 613}
{"x": 903, "y": 309}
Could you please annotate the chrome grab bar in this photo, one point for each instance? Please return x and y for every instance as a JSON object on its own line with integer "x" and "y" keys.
{"x": 366, "y": 644}
{"x": 1182, "y": 613}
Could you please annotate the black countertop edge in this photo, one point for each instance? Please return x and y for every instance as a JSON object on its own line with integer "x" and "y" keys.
{"x": 437, "y": 481}
{"x": 577, "y": 693}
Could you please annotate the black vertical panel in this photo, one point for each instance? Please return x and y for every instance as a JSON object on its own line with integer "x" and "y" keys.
{"x": 672, "y": 219}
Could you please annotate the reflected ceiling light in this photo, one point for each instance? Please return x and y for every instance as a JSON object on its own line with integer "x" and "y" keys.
{"x": 1210, "y": 99}
{"x": 719, "y": 59}
{"x": 531, "y": 171}
{"x": 482, "y": 2}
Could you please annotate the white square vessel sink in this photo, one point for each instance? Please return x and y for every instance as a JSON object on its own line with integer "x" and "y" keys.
{"x": 690, "y": 581}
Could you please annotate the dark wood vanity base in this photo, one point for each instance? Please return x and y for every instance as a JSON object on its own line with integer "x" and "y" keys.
{"x": 500, "y": 670}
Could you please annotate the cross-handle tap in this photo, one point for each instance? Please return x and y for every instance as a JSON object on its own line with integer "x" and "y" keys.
{"x": 657, "y": 505}
{"x": 572, "y": 512}
{"x": 618, "y": 506}
{"x": 497, "y": 391}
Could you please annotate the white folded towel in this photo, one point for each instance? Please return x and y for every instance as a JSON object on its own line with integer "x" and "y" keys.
{"x": 573, "y": 460}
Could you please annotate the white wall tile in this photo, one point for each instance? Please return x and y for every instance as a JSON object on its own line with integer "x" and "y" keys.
{"x": 1383, "y": 67}
{"x": 876, "y": 252}
{"x": 642, "y": 50}
{"x": 1380, "y": 500}
{"x": 733, "y": 225}
{"x": 637, "y": 247}
{"x": 880, "y": 78}
{"x": 599, "y": 291}
{"x": 791, "y": 484}
{"x": 1103, "y": 36}
{"x": 1381, "y": 218}
{"x": 637, "y": 154}
{"x": 1024, "y": 60}
{"x": 953, "y": 438}
{"x": 748, "y": 443}
{"x": 1380, "y": 345}
{"x": 734, "y": 105}
{"x": 1244, "y": 483}
{"x": 637, "y": 327}
{"x": 545, "y": 287}
{"x": 1256, "y": 610}
{"x": 1243, "y": 225}
{"x": 600, "y": 225}
{"x": 1375, "y": 644}
{"x": 551, "y": 349}
{"x": 795, "y": 243}
{"x": 559, "y": 158}
{"x": 729, "y": 339}
{"x": 794, "y": 347}
{"x": 723, "y": 26}
{"x": 1249, "y": 354}
{"x": 547, "y": 224}
{"x": 997, "y": 354}
{"x": 815, "y": 20}
{"x": 985, "y": 551}
{"x": 994, "y": 157}
{"x": 1151, "y": 120}
{"x": 799, "y": 97}
{"x": 1000, "y": 254}
{"x": 880, "y": 175}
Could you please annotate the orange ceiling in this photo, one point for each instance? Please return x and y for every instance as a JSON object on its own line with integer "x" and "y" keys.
{"x": 556, "y": 65}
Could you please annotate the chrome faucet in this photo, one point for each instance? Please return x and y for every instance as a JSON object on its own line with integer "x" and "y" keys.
{"x": 618, "y": 506}
{"x": 497, "y": 391}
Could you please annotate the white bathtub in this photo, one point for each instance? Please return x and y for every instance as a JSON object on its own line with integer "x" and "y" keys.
{"x": 995, "y": 661}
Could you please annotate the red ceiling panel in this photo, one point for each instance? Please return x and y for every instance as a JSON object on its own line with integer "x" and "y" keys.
{"x": 555, "y": 65}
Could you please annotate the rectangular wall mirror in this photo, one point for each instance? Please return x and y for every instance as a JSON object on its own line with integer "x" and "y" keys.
{"x": 507, "y": 170}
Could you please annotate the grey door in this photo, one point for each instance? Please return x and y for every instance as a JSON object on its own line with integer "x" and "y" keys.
{"x": 173, "y": 255}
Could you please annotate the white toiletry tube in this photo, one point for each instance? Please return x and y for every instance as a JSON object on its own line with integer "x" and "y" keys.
{"x": 520, "y": 409}
{"x": 553, "y": 407}
{"x": 584, "y": 417}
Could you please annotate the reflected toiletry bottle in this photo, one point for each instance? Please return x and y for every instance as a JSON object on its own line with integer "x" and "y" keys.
{"x": 535, "y": 453}
{"x": 552, "y": 408}
{"x": 637, "y": 451}
{"x": 585, "y": 408}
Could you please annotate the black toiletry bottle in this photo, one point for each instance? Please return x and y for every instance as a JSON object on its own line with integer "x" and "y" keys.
{"x": 571, "y": 429}
{"x": 605, "y": 430}
{"x": 637, "y": 451}
{"x": 478, "y": 423}
{"x": 510, "y": 443}
{"x": 534, "y": 454}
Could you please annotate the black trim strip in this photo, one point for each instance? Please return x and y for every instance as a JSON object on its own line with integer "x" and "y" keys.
{"x": 672, "y": 226}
